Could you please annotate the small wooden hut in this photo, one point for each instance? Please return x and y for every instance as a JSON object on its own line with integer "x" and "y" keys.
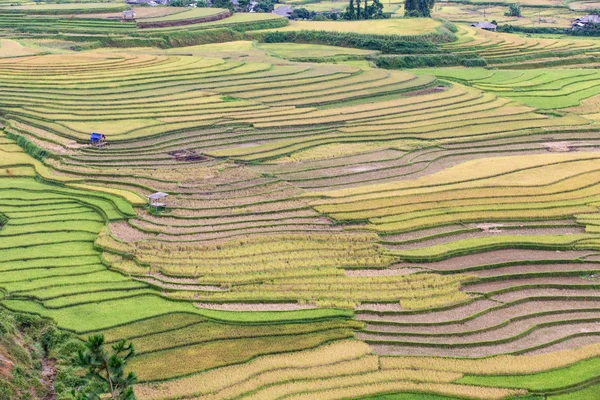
{"x": 157, "y": 200}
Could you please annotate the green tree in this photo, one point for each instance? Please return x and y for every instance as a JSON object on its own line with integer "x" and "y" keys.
{"x": 424, "y": 8}
{"x": 376, "y": 9}
{"x": 514, "y": 10}
{"x": 418, "y": 8}
{"x": 108, "y": 369}
{"x": 244, "y": 4}
{"x": 366, "y": 10}
{"x": 223, "y": 4}
{"x": 350, "y": 13}
{"x": 357, "y": 9}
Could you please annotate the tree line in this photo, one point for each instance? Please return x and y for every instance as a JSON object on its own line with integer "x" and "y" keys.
{"x": 412, "y": 8}
{"x": 368, "y": 11}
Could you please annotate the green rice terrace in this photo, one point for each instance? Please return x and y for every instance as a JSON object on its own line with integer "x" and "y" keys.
{"x": 394, "y": 208}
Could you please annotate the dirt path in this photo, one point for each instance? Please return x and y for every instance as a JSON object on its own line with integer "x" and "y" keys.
{"x": 48, "y": 376}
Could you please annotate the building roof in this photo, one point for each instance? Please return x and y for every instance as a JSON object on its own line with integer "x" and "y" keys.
{"x": 157, "y": 195}
{"x": 485, "y": 25}
{"x": 128, "y": 13}
{"x": 591, "y": 18}
{"x": 283, "y": 11}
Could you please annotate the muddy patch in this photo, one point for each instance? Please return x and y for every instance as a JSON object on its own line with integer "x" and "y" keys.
{"x": 435, "y": 89}
{"x": 187, "y": 155}
{"x": 559, "y": 147}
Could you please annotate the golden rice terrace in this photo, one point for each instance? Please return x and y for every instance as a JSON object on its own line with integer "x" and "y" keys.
{"x": 387, "y": 209}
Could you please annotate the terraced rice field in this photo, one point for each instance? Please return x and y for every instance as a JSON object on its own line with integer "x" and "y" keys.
{"x": 379, "y": 27}
{"x": 523, "y": 52}
{"x": 332, "y": 230}
{"x": 553, "y": 15}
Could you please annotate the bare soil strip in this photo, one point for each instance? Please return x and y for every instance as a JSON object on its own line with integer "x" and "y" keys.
{"x": 537, "y": 338}
{"x": 493, "y": 317}
{"x": 503, "y": 256}
{"x": 432, "y": 317}
{"x": 546, "y": 292}
{"x": 535, "y": 268}
{"x": 502, "y": 333}
{"x": 493, "y": 286}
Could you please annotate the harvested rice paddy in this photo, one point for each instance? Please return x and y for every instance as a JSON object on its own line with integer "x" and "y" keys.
{"x": 393, "y": 26}
{"x": 332, "y": 229}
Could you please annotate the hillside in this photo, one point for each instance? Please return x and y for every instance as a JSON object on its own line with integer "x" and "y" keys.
{"x": 394, "y": 208}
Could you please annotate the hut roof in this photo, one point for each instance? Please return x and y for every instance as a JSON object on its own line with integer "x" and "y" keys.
{"x": 283, "y": 11}
{"x": 592, "y": 18}
{"x": 156, "y": 196}
{"x": 484, "y": 25}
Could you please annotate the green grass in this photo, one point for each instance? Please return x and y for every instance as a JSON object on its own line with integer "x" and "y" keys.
{"x": 590, "y": 393}
{"x": 546, "y": 89}
{"x": 545, "y": 381}
{"x": 409, "y": 396}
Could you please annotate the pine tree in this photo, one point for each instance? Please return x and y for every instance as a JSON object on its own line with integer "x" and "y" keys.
{"x": 109, "y": 369}
{"x": 377, "y": 9}
{"x": 418, "y": 8}
{"x": 366, "y": 10}
{"x": 423, "y": 8}
{"x": 350, "y": 11}
{"x": 410, "y": 6}
{"x": 358, "y": 9}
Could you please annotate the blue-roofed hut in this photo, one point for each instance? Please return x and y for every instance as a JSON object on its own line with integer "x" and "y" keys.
{"x": 98, "y": 139}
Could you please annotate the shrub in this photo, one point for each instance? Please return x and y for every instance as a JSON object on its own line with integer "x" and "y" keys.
{"x": 418, "y": 61}
{"x": 29, "y": 147}
{"x": 514, "y": 10}
{"x": 383, "y": 43}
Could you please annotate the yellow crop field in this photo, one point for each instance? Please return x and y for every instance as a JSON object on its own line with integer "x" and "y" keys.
{"x": 316, "y": 207}
{"x": 394, "y": 26}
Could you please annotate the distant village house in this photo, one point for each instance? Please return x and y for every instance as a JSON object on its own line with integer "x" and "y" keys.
{"x": 151, "y": 3}
{"x": 488, "y": 26}
{"x": 283, "y": 11}
{"x": 128, "y": 15}
{"x": 587, "y": 22}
